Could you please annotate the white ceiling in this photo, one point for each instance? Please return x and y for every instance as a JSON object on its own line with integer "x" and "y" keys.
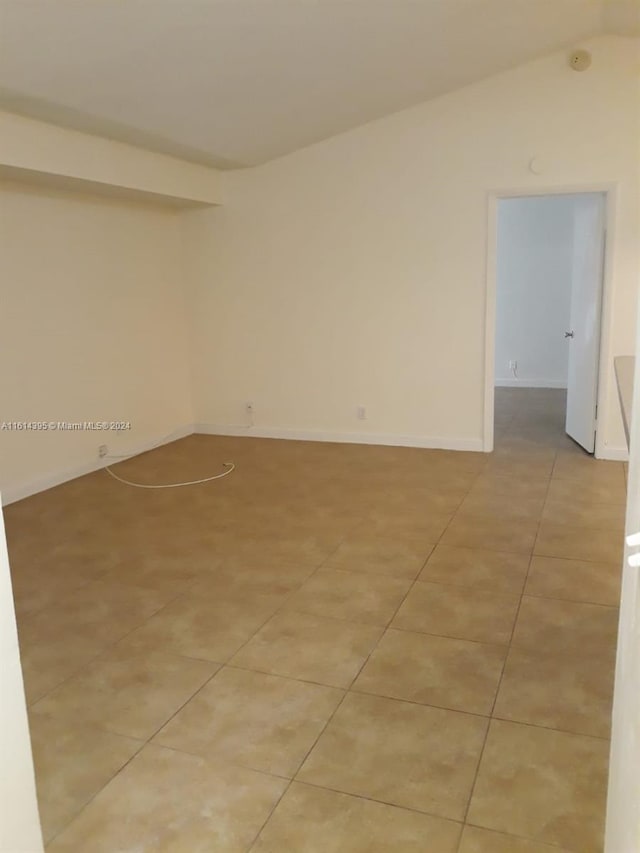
{"x": 238, "y": 82}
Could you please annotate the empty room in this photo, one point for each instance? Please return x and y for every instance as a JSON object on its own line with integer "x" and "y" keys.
{"x": 319, "y": 467}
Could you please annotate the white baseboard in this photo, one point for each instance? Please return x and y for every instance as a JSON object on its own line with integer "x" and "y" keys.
{"x": 40, "y": 484}
{"x": 390, "y": 439}
{"x": 56, "y": 478}
{"x": 530, "y": 383}
{"x": 613, "y": 454}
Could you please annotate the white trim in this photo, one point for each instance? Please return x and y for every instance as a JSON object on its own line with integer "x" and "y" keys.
{"x": 605, "y": 366}
{"x": 606, "y": 373}
{"x": 490, "y": 322}
{"x": 56, "y": 478}
{"x": 391, "y": 439}
{"x": 614, "y": 454}
{"x": 530, "y": 383}
{"x": 48, "y": 481}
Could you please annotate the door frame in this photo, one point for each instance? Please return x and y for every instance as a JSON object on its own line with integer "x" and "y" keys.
{"x": 605, "y": 375}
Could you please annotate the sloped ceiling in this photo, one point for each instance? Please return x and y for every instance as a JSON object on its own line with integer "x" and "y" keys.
{"x": 238, "y": 82}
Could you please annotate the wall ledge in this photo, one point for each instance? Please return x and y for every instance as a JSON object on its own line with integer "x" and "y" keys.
{"x": 66, "y": 183}
{"x": 45, "y": 153}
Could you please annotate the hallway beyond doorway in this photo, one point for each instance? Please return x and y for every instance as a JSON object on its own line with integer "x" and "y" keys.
{"x": 547, "y": 305}
{"x": 532, "y": 420}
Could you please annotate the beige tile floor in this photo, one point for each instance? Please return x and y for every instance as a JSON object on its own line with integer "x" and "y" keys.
{"x": 338, "y": 648}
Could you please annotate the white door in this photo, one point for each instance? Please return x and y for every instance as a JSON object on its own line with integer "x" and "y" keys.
{"x": 583, "y": 334}
{"x": 623, "y": 804}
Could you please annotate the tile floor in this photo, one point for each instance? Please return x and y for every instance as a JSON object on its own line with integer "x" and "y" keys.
{"x": 336, "y": 649}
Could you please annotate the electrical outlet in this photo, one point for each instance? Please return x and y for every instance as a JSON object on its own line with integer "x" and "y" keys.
{"x": 249, "y": 408}
{"x": 361, "y": 413}
{"x": 513, "y": 365}
{"x": 102, "y": 450}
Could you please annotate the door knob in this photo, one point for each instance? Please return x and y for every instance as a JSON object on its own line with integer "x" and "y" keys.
{"x": 568, "y": 334}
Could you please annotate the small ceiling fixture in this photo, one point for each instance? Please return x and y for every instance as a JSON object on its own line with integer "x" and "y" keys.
{"x": 580, "y": 60}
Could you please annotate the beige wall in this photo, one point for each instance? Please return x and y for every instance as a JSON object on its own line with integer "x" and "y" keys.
{"x": 353, "y": 272}
{"x": 92, "y": 328}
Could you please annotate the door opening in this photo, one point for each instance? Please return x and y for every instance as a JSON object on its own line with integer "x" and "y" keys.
{"x": 549, "y": 273}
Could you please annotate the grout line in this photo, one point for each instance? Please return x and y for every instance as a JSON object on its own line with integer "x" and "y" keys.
{"x": 504, "y": 665}
{"x": 347, "y": 691}
{"x": 571, "y": 600}
{"x": 552, "y": 729}
{"x": 212, "y": 757}
{"x": 508, "y": 835}
{"x": 99, "y": 791}
{"x": 310, "y": 681}
{"x": 363, "y": 692}
{"x": 331, "y": 717}
{"x": 177, "y": 597}
{"x": 351, "y": 530}
{"x": 105, "y": 650}
{"x": 382, "y": 802}
{"x": 277, "y": 802}
{"x": 373, "y": 649}
{"x": 300, "y": 765}
{"x": 457, "y": 637}
{"x": 143, "y": 743}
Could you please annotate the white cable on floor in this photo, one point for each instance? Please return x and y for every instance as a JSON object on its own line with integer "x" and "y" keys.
{"x": 229, "y": 465}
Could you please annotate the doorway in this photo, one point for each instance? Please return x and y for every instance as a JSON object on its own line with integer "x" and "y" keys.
{"x": 545, "y": 297}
